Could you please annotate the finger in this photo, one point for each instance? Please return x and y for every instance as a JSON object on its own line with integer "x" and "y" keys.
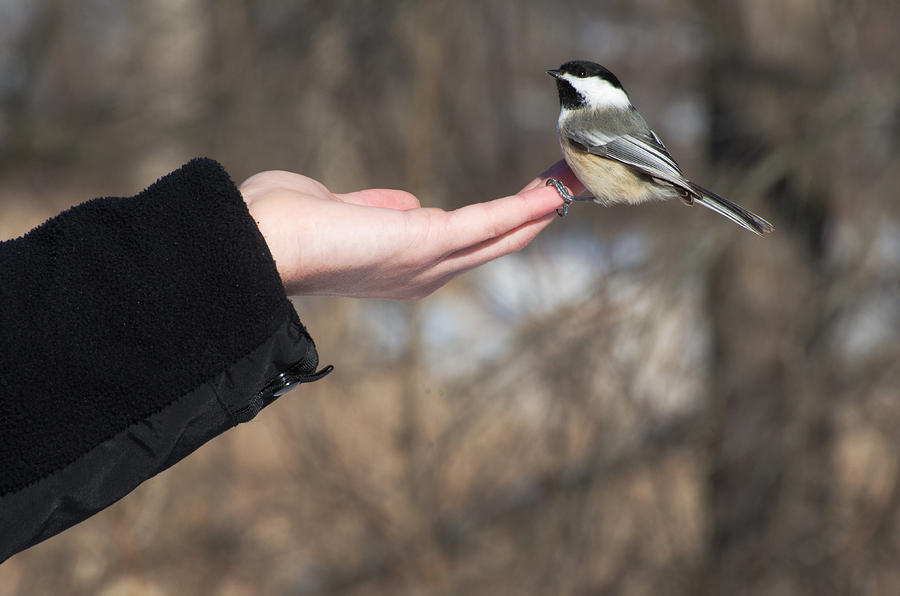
{"x": 560, "y": 171}
{"x": 280, "y": 179}
{"x": 481, "y": 253}
{"x": 264, "y": 183}
{"x": 382, "y": 197}
{"x": 473, "y": 224}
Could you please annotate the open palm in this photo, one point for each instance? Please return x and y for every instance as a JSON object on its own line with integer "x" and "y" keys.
{"x": 380, "y": 243}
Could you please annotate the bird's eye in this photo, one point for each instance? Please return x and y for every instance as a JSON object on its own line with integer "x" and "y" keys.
{"x": 581, "y": 73}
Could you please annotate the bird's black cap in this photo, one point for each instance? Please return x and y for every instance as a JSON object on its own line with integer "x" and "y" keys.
{"x": 582, "y": 69}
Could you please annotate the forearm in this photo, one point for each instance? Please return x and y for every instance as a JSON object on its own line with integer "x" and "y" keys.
{"x": 132, "y": 330}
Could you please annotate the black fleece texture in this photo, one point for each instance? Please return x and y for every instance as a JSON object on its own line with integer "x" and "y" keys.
{"x": 112, "y": 310}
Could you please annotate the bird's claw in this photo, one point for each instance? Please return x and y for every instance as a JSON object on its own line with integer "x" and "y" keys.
{"x": 564, "y": 195}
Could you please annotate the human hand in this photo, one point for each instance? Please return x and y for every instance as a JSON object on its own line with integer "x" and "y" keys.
{"x": 379, "y": 243}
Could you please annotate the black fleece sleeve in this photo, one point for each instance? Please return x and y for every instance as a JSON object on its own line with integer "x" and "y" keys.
{"x": 133, "y": 330}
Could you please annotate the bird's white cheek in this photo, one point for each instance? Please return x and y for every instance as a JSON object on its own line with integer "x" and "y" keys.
{"x": 603, "y": 95}
{"x": 599, "y": 93}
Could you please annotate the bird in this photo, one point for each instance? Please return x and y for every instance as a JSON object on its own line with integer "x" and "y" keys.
{"x": 617, "y": 157}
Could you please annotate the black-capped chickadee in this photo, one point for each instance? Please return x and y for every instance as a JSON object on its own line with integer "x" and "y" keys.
{"x": 610, "y": 148}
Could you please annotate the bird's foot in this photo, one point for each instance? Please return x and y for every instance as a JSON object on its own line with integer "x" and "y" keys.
{"x": 564, "y": 194}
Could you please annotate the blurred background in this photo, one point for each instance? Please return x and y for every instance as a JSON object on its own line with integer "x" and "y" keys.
{"x": 644, "y": 401}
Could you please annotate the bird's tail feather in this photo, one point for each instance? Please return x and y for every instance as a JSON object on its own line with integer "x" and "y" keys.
{"x": 733, "y": 211}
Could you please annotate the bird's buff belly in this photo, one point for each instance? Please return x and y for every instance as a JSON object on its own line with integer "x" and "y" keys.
{"x": 612, "y": 182}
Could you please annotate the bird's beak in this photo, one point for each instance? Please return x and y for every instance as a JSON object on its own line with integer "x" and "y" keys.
{"x": 553, "y": 72}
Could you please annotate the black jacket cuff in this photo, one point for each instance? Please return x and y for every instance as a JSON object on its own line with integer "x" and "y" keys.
{"x": 133, "y": 330}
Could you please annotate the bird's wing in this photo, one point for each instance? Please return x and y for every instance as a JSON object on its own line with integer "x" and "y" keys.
{"x": 648, "y": 155}
{"x": 644, "y": 153}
